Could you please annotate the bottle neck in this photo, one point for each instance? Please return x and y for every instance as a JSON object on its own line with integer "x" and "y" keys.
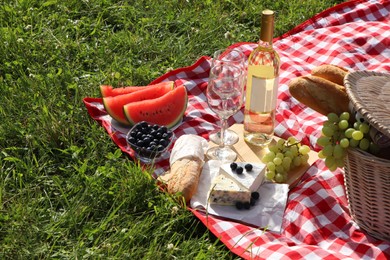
{"x": 267, "y": 28}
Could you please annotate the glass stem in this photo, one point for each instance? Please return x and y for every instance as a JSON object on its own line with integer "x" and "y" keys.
{"x": 223, "y": 125}
{"x": 222, "y": 135}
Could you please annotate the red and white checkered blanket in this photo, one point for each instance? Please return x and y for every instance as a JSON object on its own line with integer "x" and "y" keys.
{"x": 317, "y": 224}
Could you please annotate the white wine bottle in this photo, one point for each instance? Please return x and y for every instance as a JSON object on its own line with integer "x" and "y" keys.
{"x": 262, "y": 86}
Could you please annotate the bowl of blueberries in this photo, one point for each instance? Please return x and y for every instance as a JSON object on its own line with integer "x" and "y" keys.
{"x": 149, "y": 141}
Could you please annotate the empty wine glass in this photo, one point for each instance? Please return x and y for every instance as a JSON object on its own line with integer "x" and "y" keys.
{"x": 232, "y": 57}
{"x": 224, "y": 97}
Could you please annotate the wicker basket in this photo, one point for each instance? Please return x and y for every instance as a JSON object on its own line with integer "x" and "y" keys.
{"x": 367, "y": 177}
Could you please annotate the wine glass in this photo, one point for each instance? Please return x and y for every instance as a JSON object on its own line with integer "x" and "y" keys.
{"x": 224, "y": 97}
{"x": 237, "y": 58}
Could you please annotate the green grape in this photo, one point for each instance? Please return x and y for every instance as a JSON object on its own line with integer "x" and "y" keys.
{"x": 279, "y": 177}
{"x": 270, "y": 175}
{"x": 356, "y": 125}
{"x": 329, "y": 161}
{"x": 364, "y": 128}
{"x": 328, "y": 150}
{"x": 348, "y": 132}
{"x": 289, "y": 154}
{"x": 338, "y": 151}
{"x": 279, "y": 145}
{"x": 327, "y": 131}
{"x": 286, "y": 163}
{"x": 344, "y": 116}
{"x": 274, "y": 149}
{"x": 321, "y": 155}
{"x": 343, "y": 124}
{"x": 333, "y": 167}
{"x": 344, "y": 142}
{"x": 268, "y": 157}
{"x": 280, "y": 169}
{"x": 304, "y": 158}
{"x": 294, "y": 150}
{"x": 292, "y": 140}
{"x": 334, "y": 126}
{"x": 277, "y": 161}
{"x": 333, "y": 117}
{"x": 336, "y": 135}
{"x": 297, "y": 161}
{"x": 271, "y": 166}
{"x": 364, "y": 144}
{"x": 281, "y": 142}
{"x": 323, "y": 141}
{"x": 280, "y": 155}
{"x": 353, "y": 143}
{"x": 339, "y": 162}
{"x": 357, "y": 135}
{"x": 304, "y": 149}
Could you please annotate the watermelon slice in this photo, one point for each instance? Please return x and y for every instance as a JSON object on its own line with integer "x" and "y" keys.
{"x": 109, "y": 91}
{"x": 166, "y": 110}
{"x": 114, "y": 105}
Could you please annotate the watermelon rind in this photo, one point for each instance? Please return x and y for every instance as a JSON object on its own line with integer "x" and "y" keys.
{"x": 166, "y": 110}
{"x": 114, "y": 105}
{"x": 110, "y": 91}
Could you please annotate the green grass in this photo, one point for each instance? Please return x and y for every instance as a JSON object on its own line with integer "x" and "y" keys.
{"x": 66, "y": 191}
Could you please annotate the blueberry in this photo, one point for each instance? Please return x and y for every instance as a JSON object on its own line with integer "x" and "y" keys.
{"x": 248, "y": 167}
{"x": 143, "y": 124}
{"x": 169, "y": 134}
{"x": 160, "y": 147}
{"x": 163, "y": 129}
{"x": 247, "y": 205}
{"x": 131, "y": 140}
{"x": 239, "y": 170}
{"x": 252, "y": 202}
{"x": 255, "y": 195}
{"x": 239, "y": 205}
{"x": 146, "y": 141}
{"x": 163, "y": 142}
{"x": 140, "y": 143}
{"x": 233, "y": 166}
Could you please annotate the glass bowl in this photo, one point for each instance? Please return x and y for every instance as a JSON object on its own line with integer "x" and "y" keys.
{"x": 149, "y": 141}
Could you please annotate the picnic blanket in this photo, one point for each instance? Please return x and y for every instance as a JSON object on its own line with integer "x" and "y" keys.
{"x": 317, "y": 223}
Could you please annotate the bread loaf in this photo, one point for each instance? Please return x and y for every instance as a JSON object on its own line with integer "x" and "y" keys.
{"x": 186, "y": 161}
{"x": 183, "y": 177}
{"x": 320, "y": 94}
{"x": 333, "y": 73}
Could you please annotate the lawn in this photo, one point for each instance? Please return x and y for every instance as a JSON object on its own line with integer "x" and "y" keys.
{"x": 66, "y": 190}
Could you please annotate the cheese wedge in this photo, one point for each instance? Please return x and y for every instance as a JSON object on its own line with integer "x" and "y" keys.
{"x": 225, "y": 191}
{"x": 250, "y": 180}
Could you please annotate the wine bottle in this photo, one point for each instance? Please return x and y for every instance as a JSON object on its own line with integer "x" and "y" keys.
{"x": 262, "y": 86}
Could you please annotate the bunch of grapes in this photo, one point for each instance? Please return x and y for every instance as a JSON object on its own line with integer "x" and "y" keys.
{"x": 284, "y": 156}
{"x": 338, "y": 134}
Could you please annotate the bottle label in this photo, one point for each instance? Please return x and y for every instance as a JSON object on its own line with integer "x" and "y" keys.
{"x": 262, "y": 88}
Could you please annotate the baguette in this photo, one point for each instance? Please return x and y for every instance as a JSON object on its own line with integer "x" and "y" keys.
{"x": 183, "y": 177}
{"x": 186, "y": 161}
{"x": 320, "y": 94}
{"x": 333, "y": 73}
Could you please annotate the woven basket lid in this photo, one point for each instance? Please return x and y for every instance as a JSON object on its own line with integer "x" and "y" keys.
{"x": 369, "y": 93}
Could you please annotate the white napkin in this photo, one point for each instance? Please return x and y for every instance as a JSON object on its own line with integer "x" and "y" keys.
{"x": 267, "y": 213}
{"x": 187, "y": 146}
